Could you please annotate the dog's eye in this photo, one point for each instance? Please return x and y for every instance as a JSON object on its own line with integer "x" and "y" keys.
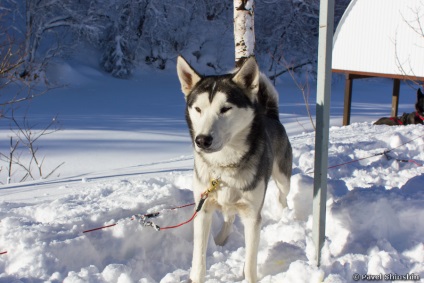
{"x": 225, "y": 109}
{"x": 198, "y": 109}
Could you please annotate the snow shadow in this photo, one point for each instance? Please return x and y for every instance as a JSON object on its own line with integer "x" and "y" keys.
{"x": 365, "y": 217}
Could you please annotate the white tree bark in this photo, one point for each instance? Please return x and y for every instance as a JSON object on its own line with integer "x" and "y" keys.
{"x": 244, "y": 32}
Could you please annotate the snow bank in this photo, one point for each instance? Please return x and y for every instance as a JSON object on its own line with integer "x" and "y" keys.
{"x": 375, "y": 221}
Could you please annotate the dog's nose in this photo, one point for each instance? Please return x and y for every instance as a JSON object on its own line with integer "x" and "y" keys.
{"x": 204, "y": 141}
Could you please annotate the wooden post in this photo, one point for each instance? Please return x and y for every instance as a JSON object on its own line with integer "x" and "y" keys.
{"x": 325, "y": 43}
{"x": 347, "y": 100}
{"x": 244, "y": 32}
{"x": 395, "y": 97}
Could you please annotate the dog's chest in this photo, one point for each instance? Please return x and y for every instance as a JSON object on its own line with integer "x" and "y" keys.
{"x": 228, "y": 199}
{"x": 233, "y": 177}
{"x": 228, "y": 196}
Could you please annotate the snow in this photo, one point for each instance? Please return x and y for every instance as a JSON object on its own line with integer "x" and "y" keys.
{"x": 127, "y": 151}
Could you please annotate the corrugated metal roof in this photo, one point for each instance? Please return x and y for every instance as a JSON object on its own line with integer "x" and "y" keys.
{"x": 381, "y": 36}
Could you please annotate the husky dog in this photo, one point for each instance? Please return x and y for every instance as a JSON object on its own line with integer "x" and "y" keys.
{"x": 416, "y": 117}
{"x": 238, "y": 139}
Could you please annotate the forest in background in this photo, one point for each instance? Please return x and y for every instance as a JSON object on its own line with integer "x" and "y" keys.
{"x": 121, "y": 36}
{"x": 132, "y": 33}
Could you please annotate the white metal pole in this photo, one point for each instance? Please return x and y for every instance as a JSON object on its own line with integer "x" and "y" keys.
{"x": 325, "y": 47}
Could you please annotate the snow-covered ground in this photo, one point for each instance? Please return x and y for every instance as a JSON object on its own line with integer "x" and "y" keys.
{"x": 127, "y": 151}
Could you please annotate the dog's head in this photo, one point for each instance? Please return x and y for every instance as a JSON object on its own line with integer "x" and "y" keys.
{"x": 219, "y": 108}
{"x": 419, "y": 106}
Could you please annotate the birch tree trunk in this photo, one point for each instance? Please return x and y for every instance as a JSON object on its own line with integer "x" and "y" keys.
{"x": 244, "y": 32}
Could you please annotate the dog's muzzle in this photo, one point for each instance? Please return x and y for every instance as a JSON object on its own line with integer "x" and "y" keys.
{"x": 203, "y": 141}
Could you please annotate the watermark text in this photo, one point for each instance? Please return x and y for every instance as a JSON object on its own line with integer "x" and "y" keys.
{"x": 386, "y": 277}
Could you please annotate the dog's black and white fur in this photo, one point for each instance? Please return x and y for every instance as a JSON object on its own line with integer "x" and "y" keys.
{"x": 237, "y": 138}
{"x": 416, "y": 117}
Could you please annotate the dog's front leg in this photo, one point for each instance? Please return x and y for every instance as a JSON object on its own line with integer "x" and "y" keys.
{"x": 202, "y": 226}
{"x": 252, "y": 228}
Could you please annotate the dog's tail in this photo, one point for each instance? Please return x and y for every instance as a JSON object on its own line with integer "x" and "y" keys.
{"x": 268, "y": 97}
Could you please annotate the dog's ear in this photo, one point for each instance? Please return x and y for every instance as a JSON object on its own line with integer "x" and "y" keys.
{"x": 419, "y": 94}
{"x": 247, "y": 77}
{"x": 187, "y": 75}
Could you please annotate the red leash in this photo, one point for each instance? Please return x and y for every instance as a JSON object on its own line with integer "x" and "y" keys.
{"x": 143, "y": 218}
{"x": 3, "y": 253}
{"x": 100, "y": 228}
{"x": 179, "y": 225}
{"x": 402, "y": 160}
{"x": 204, "y": 196}
{"x": 377, "y": 154}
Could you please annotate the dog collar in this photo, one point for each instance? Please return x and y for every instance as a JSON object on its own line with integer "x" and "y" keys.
{"x": 396, "y": 120}
{"x": 419, "y": 115}
{"x": 231, "y": 165}
{"x": 213, "y": 186}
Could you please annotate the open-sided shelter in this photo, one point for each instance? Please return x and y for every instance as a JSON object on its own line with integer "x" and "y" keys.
{"x": 380, "y": 38}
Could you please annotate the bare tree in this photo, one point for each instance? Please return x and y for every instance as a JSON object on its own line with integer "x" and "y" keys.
{"x": 288, "y": 30}
{"x": 14, "y": 91}
{"x": 55, "y": 18}
{"x": 415, "y": 22}
{"x": 304, "y": 87}
{"x": 26, "y": 139}
{"x": 11, "y": 59}
{"x": 10, "y": 159}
